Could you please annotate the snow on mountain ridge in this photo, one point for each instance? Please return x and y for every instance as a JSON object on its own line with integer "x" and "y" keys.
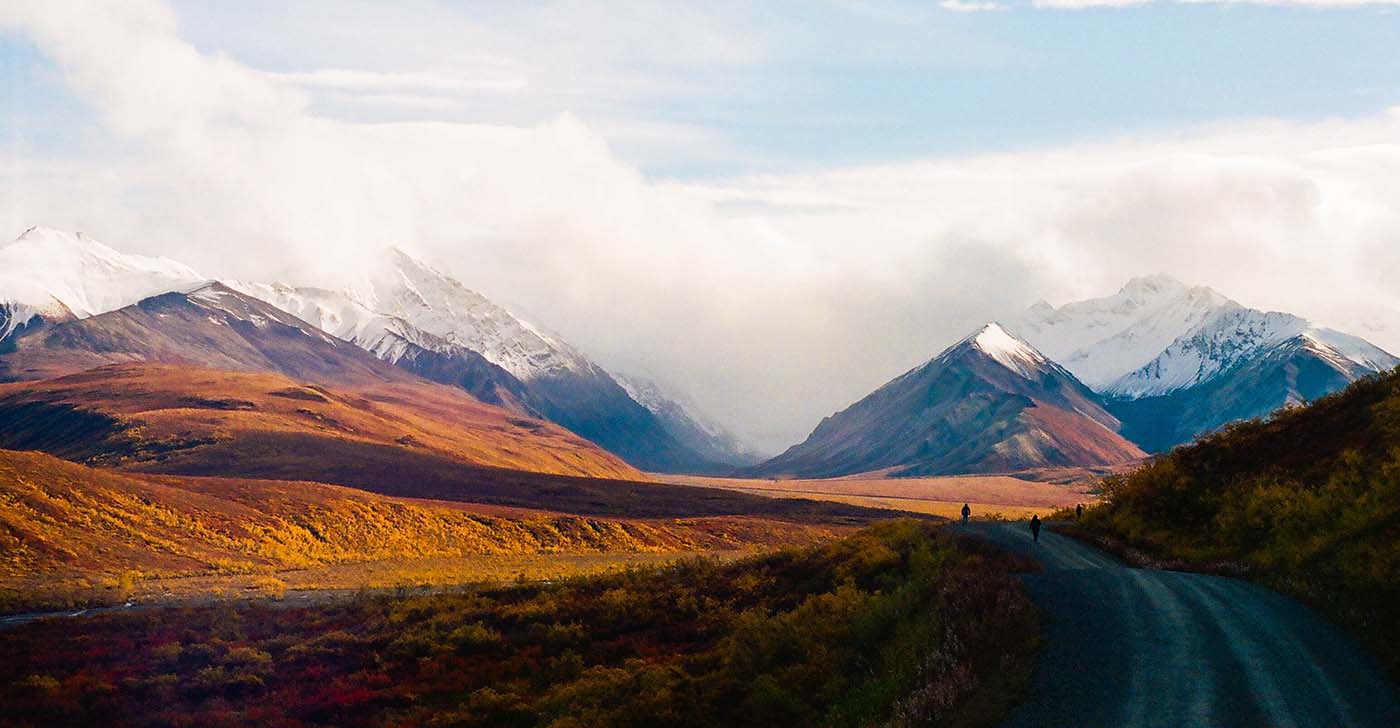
{"x": 402, "y": 300}
{"x": 659, "y": 401}
{"x": 1157, "y": 335}
{"x": 1102, "y": 339}
{"x": 433, "y": 302}
{"x": 1228, "y": 335}
{"x": 1007, "y": 350}
{"x": 59, "y": 275}
{"x": 1353, "y": 348}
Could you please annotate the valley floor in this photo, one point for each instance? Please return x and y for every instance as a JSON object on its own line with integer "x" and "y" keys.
{"x": 333, "y": 582}
{"x": 1006, "y": 496}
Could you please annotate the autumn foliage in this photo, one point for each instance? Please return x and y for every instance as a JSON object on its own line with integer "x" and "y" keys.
{"x": 896, "y": 624}
{"x": 65, "y": 528}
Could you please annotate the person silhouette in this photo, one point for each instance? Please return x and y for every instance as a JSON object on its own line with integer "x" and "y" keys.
{"x": 1078, "y": 511}
{"x": 1035, "y": 528}
{"x": 966, "y": 512}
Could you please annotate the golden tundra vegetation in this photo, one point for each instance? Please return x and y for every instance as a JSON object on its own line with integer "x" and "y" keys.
{"x": 70, "y": 532}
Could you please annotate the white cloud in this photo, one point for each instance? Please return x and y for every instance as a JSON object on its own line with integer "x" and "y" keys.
{"x": 1080, "y": 4}
{"x": 777, "y": 298}
{"x": 352, "y": 80}
{"x": 970, "y": 6}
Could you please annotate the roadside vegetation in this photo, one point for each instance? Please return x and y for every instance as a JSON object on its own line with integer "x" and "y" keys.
{"x": 897, "y": 624}
{"x": 1307, "y": 501}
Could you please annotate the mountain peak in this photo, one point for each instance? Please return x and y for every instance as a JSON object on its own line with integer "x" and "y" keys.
{"x": 42, "y": 237}
{"x": 1152, "y": 284}
{"x": 1009, "y": 351}
{"x": 52, "y": 271}
{"x": 44, "y": 231}
{"x": 401, "y": 256}
{"x": 962, "y": 413}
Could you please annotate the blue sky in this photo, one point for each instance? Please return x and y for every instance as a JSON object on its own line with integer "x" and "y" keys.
{"x": 773, "y": 207}
{"x": 794, "y": 85}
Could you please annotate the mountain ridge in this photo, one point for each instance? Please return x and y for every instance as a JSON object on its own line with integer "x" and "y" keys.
{"x": 411, "y": 314}
{"x": 1224, "y": 361}
{"x": 989, "y": 403}
{"x": 59, "y": 276}
{"x": 399, "y": 310}
{"x": 1157, "y": 335}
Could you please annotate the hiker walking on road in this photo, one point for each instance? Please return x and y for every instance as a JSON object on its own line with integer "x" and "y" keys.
{"x": 1078, "y": 511}
{"x": 1035, "y": 528}
{"x": 966, "y": 511}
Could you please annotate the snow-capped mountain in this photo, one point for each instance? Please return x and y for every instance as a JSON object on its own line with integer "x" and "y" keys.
{"x": 1175, "y": 361}
{"x": 989, "y": 403}
{"x": 1157, "y": 335}
{"x": 409, "y": 313}
{"x": 680, "y": 416}
{"x": 211, "y": 326}
{"x": 400, "y": 309}
{"x": 1230, "y": 335}
{"x": 431, "y": 301}
{"x": 1293, "y": 372}
{"x": 61, "y": 276}
{"x": 1007, "y": 350}
{"x": 401, "y": 300}
{"x": 396, "y": 312}
{"x": 1103, "y": 339}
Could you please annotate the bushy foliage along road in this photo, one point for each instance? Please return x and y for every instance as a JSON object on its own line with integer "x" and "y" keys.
{"x": 896, "y": 624}
{"x": 1307, "y": 501}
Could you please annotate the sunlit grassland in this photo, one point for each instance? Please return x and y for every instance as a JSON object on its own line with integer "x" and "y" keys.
{"x": 79, "y": 536}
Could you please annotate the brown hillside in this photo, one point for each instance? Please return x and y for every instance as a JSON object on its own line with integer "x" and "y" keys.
{"x": 414, "y": 440}
{"x": 145, "y": 414}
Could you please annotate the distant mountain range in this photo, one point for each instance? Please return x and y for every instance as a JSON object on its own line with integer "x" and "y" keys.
{"x": 1090, "y": 383}
{"x": 1174, "y": 361}
{"x": 682, "y": 419}
{"x": 400, "y": 310}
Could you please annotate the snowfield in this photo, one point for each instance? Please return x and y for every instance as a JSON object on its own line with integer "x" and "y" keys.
{"x": 1157, "y": 335}
{"x": 61, "y": 275}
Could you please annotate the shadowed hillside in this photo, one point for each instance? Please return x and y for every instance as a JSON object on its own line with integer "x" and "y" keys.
{"x": 213, "y": 326}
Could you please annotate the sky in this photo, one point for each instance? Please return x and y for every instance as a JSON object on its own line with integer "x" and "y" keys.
{"x": 771, "y": 207}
